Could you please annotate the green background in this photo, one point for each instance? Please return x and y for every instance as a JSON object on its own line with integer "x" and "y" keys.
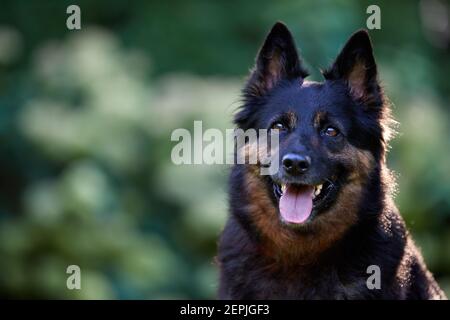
{"x": 86, "y": 176}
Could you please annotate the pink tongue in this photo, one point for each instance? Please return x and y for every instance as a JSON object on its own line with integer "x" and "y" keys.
{"x": 296, "y": 204}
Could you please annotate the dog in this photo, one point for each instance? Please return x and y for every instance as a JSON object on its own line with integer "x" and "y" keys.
{"x": 317, "y": 227}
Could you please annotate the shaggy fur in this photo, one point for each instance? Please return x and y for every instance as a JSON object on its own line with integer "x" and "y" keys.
{"x": 259, "y": 256}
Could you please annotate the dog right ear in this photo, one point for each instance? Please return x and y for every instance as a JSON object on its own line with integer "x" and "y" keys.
{"x": 277, "y": 60}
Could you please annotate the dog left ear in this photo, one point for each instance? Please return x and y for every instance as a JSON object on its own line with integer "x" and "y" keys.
{"x": 356, "y": 65}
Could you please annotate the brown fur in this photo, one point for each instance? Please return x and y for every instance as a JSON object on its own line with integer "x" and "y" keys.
{"x": 283, "y": 242}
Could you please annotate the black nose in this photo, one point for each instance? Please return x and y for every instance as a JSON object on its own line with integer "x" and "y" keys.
{"x": 295, "y": 163}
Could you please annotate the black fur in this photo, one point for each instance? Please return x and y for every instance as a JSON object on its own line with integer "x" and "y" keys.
{"x": 257, "y": 265}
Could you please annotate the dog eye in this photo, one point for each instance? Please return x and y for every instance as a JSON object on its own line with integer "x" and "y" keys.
{"x": 331, "y": 132}
{"x": 278, "y": 126}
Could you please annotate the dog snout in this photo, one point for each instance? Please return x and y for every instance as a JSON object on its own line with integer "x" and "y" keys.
{"x": 296, "y": 164}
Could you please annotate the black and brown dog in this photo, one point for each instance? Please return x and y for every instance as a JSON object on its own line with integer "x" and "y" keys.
{"x": 311, "y": 230}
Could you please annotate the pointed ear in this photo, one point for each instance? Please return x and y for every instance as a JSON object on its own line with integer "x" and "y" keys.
{"x": 277, "y": 60}
{"x": 356, "y": 65}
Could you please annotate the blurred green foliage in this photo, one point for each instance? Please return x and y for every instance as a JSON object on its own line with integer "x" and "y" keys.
{"x": 86, "y": 117}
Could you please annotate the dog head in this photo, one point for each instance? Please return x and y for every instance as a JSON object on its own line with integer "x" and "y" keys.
{"x": 332, "y": 134}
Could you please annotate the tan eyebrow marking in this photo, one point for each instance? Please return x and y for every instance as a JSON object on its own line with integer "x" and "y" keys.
{"x": 319, "y": 117}
{"x": 292, "y": 118}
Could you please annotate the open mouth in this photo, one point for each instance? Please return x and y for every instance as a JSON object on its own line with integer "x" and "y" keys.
{"x": 300, "y": 203}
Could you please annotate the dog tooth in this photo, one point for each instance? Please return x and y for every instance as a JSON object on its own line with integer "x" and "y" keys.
{"x": 318, "y": 189}
{"x": 283, "y": 188}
